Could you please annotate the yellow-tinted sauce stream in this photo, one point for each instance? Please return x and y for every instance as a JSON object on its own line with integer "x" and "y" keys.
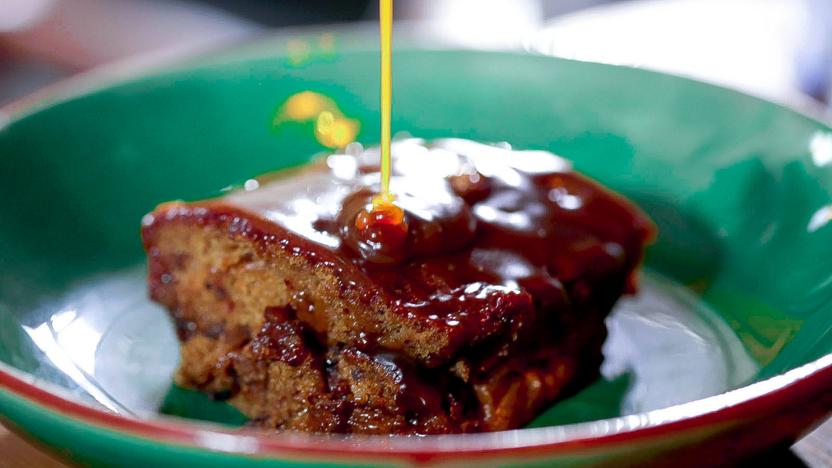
{"x": 386, "y": 30}
{"x": 384, "y": 215}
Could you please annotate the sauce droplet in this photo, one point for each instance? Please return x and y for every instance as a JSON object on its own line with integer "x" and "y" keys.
{"x": 381, "y": 227}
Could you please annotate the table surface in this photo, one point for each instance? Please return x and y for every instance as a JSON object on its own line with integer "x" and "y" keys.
{"x": 815, "y": 450}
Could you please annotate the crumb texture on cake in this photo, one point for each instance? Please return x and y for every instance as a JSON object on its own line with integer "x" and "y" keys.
{"x": 490, "y": 311}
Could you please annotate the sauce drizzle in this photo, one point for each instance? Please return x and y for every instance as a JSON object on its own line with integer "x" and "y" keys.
{"x": 386, "y": 32}
{"x": 383, "y": 218}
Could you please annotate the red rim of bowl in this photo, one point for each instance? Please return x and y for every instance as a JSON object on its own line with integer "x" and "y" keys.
{"x": 797, "y": 385}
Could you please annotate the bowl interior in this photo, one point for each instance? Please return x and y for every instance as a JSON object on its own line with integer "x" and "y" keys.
{"x": 740, "y": 188}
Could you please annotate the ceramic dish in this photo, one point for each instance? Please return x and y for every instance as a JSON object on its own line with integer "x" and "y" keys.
{"x": 726, "y": 350}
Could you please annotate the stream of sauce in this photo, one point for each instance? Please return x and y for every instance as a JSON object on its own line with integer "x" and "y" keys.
{"x": 382, "y": 221}
{"x": 386, "y": 33}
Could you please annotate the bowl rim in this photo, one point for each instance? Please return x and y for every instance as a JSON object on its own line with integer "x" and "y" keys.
{"x": 797, "y": 385}
{"x": 782, "y": 390}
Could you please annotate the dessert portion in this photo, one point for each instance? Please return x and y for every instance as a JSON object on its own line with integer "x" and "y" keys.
{"x": 473, "y": 302}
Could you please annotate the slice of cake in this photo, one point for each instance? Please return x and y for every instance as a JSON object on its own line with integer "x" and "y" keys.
{"x": 477, "y": 309}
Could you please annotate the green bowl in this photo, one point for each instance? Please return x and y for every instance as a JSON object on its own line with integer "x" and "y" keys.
{"x": 726, "y": 350}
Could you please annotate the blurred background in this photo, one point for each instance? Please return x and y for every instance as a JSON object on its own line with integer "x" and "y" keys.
{"x": 779, "y": 49}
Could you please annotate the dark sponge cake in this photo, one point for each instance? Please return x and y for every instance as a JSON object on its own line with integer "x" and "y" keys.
{"x": 489, "y": 308}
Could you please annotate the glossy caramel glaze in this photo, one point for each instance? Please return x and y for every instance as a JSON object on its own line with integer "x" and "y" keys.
{"x": 458, "y": 195}
{"x": 491, "y": 232}
{"x": 480, "y": 295}
{"x": 486, "y": 226}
